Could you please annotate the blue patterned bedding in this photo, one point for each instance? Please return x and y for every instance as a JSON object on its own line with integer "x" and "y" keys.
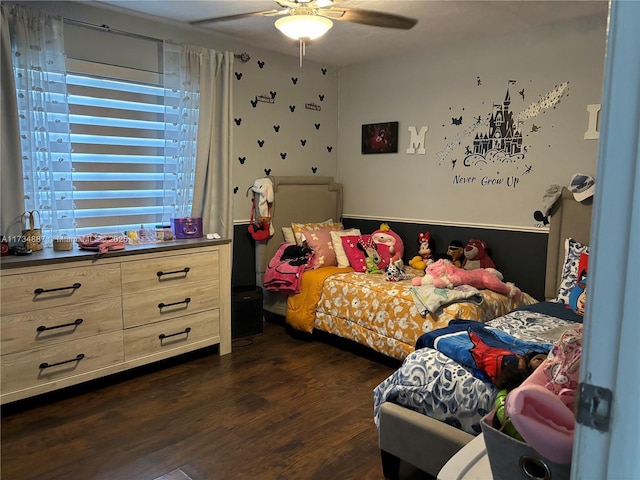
{"x": 431, "y": 383}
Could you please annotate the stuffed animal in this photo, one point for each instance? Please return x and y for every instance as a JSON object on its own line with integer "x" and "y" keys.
{"x": 456, "y": 251}
{"x": 388, "y": 244}
{"x": 443, "y": 274}
{"x": 476, "y": 255}
{"x": 395, "y": 271}
{"x": 425, "y": 252}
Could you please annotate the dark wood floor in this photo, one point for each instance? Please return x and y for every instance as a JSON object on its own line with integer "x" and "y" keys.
{"x": 278, "y": 407}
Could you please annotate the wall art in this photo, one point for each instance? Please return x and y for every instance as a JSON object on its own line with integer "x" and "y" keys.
{"x": 380, "y": 138}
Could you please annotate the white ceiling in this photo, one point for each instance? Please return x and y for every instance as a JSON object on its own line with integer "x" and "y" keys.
{"x": 439, "y": 22}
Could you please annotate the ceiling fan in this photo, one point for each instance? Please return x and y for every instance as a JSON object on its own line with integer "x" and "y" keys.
{"x": 305, "y": 20}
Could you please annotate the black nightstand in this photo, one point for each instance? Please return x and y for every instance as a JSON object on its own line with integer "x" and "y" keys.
{"x": 246, "y": 311}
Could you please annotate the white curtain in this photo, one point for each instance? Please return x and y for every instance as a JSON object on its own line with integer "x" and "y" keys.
{"x": 41, "y": 163}
{"x": 203, "y": 79}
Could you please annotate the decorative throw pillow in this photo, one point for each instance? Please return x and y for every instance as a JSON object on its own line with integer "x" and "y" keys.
{"x": 583, "y": 264}
{"x": 341, "y": 256}
{"x": 578, "y": 295}
{"x": 573, "y": 249}
{"x": 320, "y": 242}
{"x": 298, "y": 228}
{"x": 288, "y": 236}
{"x": 356, "y": 256}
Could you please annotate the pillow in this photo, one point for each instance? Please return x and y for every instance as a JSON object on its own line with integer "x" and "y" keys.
{"x": 573, "y": 249}
{"x": 288, "y": 236}
{"x": 298, "y": 228}
{"x": 341, "y": 256}
{"x": 320, "y": 242}
{"x": 583, "y": 264}
{"x": 354, "y": 254}
{"x": 578, "y": 294}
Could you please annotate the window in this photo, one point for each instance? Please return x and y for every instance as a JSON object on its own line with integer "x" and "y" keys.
{"x": 125, "y": 134}
{"x": 123, "y": 139}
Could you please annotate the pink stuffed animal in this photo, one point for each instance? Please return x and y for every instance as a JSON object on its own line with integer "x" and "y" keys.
{"x": 443, "y": 274}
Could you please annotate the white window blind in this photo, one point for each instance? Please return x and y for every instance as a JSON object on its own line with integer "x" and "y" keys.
{"x": 122, "y": 140}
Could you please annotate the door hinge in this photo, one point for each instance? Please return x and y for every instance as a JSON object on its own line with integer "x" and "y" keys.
{"x": 594, "y": 406}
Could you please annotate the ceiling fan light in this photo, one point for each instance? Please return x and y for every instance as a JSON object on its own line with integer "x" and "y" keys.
{"x": 303, "y": 26}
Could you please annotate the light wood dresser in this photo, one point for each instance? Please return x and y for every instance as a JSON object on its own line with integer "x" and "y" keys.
{"x": 69, "y": 317}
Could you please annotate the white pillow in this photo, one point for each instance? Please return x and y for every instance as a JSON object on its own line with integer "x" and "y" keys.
{"x": 572, "y": 251}
{"x": 341, "y": 256}
{"x": 288, "y": 236}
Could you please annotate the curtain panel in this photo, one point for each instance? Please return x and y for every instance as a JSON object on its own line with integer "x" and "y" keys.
{"x": 41, "y": 162}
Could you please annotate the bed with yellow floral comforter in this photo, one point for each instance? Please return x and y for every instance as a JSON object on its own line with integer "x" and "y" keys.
{"x": 373, "y": 311}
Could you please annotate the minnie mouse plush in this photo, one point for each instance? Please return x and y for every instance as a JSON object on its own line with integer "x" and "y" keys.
{"x": 425, "y": 252}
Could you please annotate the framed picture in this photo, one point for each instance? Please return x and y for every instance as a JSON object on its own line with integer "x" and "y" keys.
{"x": 380, "y": 138}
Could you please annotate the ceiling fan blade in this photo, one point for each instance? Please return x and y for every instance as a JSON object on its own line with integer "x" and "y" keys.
{"x": 264, "y": 13}
{"x": 369, "y": 17}
{"x": 304, "y": 3}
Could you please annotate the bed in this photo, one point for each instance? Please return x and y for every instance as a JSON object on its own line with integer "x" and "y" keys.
{"x": 365, "y": 308}
{"x": 431, "y": 406}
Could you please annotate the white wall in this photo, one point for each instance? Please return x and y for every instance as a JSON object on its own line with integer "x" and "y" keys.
{"x": 465, "y": 80}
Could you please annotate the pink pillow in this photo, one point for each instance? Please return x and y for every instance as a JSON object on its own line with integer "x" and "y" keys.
{"x": 320, "y": 242}
{"x": 354, "y": 254}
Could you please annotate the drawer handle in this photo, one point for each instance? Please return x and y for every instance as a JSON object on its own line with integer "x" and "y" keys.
{"x": 44, "y": 365}
{"x": 185, "y": 270}
{"x": 75, "y": 323}
{"x": 162, "y": 336}
{"x": 38, "y": 291}
{"x": 185, "y": 301}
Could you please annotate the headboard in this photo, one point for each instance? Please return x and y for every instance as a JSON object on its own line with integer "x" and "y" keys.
{"x": 301, "y": 200}
{"x": 569, "y": 219}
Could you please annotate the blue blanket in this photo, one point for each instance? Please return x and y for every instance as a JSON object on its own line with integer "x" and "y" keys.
{"x": 455, "y": 342}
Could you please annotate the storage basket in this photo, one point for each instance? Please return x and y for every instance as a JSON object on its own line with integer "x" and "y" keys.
{"x": 32, "y": 234}
{"x": 511, "y": 459}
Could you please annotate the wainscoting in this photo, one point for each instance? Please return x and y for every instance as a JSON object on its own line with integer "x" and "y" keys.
{"x": 520, "y": 256}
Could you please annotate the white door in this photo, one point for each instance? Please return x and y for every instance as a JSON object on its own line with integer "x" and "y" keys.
{"x": 611, "y": 349}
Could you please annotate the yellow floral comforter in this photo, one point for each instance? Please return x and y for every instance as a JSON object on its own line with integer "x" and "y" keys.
{"x": 372, "y": 311}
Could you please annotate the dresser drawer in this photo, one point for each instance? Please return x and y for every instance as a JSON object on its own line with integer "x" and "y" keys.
{"x": 145, "y": 307}
{"x": 172, "y": 271}
{"x": 171, "y": 334}
{"x": 56, "y": 287}
{"x": 38, "y": 328}
{"x": 38, "y": 366}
